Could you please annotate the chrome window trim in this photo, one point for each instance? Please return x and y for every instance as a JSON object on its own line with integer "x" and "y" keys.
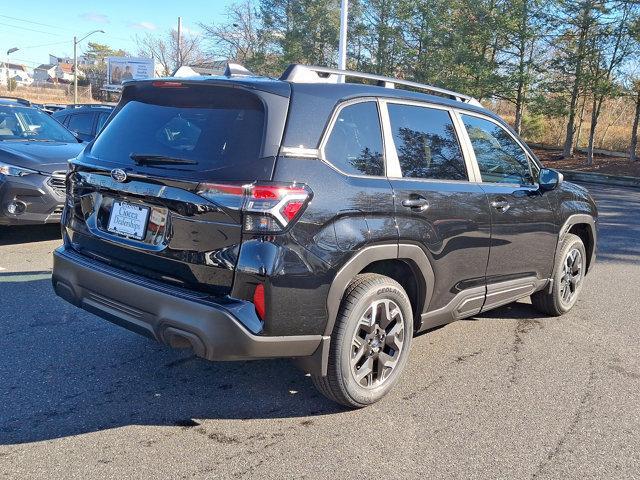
{"x": 459, "y": 129}
{"x": 530, "y": 159}
{"x": 329, "y": 129}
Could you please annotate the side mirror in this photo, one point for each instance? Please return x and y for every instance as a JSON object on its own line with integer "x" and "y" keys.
{"x": 550, "y": 179}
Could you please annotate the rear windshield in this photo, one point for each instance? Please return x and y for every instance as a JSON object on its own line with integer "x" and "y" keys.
{"x": 193, "y": 131}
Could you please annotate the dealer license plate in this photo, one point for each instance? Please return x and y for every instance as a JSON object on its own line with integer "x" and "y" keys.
{"x": 128, "y": 220}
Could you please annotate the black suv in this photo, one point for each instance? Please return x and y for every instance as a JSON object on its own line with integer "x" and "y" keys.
{"x": 245, "y": 217}
{"x": 84, "y": 120}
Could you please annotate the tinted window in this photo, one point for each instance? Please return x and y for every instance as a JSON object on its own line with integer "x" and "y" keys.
{"x": 499, "y": 156}
{"x": 426, "y": 143}
{"x": 102, "y": 118}
{"x": 24, "y": 123}
{"x": 218, "y": 131}
{"x": 355, "y": 143}
{"x": 81, "y": 123}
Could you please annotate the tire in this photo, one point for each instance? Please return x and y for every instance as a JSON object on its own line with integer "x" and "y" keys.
{"x": 560, "y": 300}
{"x": 362, "y": 341}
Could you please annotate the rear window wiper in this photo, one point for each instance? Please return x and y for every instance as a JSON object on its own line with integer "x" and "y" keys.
{"x": 147, "y": 159}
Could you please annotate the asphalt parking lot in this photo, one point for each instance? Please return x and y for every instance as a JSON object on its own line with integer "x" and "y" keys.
{"x": 508, "y": 394}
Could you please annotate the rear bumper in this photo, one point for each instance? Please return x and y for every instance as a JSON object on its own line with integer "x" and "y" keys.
{"x": 214, "y": 330}
{"x": 37, "y": 201}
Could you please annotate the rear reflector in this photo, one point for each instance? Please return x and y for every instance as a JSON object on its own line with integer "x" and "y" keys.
{"x": 258, "y": 300}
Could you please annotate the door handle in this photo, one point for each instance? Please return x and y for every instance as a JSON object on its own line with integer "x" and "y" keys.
{"x": 501, "y": 205}
{"x": 417, "y": 203}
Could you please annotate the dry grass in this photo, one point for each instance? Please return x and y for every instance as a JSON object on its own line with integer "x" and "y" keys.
{"x": 58, "y": 94}
{"x": 613, "y": 131}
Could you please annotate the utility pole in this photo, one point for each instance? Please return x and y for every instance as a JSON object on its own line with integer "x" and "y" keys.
{"x": 75, "y": 69}
{"x": 179, "y": 43}
{"x": 342, "y": 44}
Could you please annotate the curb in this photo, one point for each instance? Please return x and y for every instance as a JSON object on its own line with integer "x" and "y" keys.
{"x": 601, "y": 178}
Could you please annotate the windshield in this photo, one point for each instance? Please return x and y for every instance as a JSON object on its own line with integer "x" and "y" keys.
{"x": 31, "y": 124}
{"x": 204, "y": 132}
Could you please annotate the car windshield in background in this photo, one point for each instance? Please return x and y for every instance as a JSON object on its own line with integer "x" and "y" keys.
{"x": 219, "y": 134}
{"x": 31, "y": 124}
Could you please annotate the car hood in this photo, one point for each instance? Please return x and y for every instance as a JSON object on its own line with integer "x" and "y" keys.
{"x": 45, "y": 157}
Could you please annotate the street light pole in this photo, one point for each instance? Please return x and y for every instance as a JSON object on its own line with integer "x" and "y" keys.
{"x": 342, "y": 44}
{"x": 6, "y": 65}
{"x": 75, "y": 62}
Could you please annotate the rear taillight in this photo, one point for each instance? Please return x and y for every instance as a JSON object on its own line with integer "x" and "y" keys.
{"x": 266, "y": 208}
{"x": 258, "y": 300}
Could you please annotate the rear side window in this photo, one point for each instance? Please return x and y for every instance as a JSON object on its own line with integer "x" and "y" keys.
{"x": 355, "y": 143}
{"x": 426, "y": 143}
{"x": 203, "y": 132}
{"x": 81, "y": 123}
{"x": 500, "y": 158}
{"x": 102, "y": 118}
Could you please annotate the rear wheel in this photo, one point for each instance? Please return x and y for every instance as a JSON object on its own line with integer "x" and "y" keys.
{"x": 370, "y": 342}
{"x": 568, "y": 277}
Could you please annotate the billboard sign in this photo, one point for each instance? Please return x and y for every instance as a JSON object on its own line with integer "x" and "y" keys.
{"x": 121, "y": 69}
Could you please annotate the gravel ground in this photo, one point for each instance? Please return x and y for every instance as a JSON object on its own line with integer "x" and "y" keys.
{"x": 507, "y": 394}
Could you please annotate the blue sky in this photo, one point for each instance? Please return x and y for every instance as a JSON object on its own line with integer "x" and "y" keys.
{"x": 40, "y": 27}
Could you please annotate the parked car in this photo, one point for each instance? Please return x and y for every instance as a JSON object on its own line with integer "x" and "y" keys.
{"x": 85, "y": 121}
{"x": 246, "y": 217}
{"x": 34, "y": 150}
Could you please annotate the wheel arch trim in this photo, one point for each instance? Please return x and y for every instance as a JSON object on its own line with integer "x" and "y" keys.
{"x": 364, "y": 258}
{"x": 580, "y": 219}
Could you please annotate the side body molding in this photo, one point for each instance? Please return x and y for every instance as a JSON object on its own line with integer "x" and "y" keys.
{"x": 367, "y": 256}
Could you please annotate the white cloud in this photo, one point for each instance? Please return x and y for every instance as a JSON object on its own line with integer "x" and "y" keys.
{"x": 143, "y": 25}
{"x": 95, "y": 17}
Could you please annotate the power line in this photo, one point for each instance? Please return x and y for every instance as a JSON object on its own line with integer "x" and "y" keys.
{"x": 29, "y": 29}
{"x": 34, "y": 23}
{"x": 46, "y": 44}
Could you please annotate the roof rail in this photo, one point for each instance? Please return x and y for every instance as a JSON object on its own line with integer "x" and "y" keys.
{"x": 236, "y": 70}
{"x": 79, "y": 105}
{"x": 297, "y": 73}
{"x": 23, "y": 101}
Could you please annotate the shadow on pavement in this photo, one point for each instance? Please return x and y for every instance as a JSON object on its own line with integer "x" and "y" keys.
{"x": 619, "y": 223}
{"x": 15, "y": 235}
{"x": 66, "y": 372}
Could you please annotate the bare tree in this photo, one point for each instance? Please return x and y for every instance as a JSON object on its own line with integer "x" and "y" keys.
{"x": 170, "y": 51}
{"x": 238, "y": 39}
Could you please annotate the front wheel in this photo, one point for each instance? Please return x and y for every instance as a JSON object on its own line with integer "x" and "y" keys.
{"x": 370, "y": 342}
{"x": 568, "y": 276}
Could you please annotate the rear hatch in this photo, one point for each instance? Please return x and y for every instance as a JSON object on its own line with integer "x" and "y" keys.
{"x": 135, "y": 194}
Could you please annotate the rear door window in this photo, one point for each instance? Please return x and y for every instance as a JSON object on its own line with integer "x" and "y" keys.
{"x": 102, "y": 119}
{"x": 81, "y": 123}
{"x": 355, "y": 143}
{"x": 210, "y": 132}
{"x": 426, "y": 143}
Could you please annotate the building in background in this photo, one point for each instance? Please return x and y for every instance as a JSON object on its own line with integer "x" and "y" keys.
{"x": 82, "y": 60}
{"x": 55, "y": 73}
{"x": 17, "y": 72}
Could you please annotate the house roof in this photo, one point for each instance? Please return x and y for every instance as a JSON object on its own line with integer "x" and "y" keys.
{"x": 14, "y": 66}
{"x": 66, "y": 67}
{"x": 45, "y": 66}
